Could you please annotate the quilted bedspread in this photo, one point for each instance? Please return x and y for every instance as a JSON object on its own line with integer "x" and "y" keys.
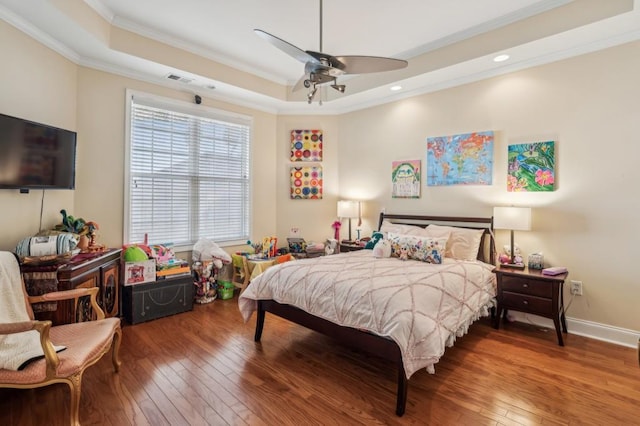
{"x": 423, "y": 307}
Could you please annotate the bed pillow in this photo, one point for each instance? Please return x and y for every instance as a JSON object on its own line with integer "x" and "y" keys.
{"x": 425, "y": 249}
{"x": 400, "y": 228}
{"x": 463, "y": 243}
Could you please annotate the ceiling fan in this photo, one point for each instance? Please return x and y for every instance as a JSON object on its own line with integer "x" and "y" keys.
{"x": 322, "y": 68}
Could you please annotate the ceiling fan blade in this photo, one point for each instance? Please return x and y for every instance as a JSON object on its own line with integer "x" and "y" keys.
{"x": 286, "y": 47}
{"x": 368, "y": 64}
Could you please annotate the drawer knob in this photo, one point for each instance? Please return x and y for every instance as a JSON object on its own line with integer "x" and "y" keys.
{"x": 525, "y": 302}
{"x": 525, "y": 285}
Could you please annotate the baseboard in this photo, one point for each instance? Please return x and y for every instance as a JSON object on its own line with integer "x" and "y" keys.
{"x": 593, "y": 330}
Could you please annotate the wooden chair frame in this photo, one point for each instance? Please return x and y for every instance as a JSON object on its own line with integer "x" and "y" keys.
{"x": 241, "y": 276}
{"x": 74, "y": 380}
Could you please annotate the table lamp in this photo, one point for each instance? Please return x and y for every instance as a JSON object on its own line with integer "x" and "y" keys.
{"x": 349, "y": 210}
{"x": 513, "y": 219}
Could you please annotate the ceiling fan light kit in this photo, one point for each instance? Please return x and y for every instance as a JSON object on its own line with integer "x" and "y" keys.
{"x": 322, "y": 68}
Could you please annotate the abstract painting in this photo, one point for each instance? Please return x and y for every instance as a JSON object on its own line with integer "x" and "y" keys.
{"x": 306, "y": 182}
{"x": 405, "y": 179}
{"x": 531, "y": 167}
{"x": 465, "y": 159}
{"x": 306, "y": 145}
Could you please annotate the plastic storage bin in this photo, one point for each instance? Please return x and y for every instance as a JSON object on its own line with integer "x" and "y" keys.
{"x": 225, "y": 290}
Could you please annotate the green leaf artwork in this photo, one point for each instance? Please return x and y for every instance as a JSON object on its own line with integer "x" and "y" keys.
{"x": 531, "y": 167}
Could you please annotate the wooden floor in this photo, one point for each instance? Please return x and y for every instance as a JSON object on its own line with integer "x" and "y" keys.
{"x": 202, "y": 367}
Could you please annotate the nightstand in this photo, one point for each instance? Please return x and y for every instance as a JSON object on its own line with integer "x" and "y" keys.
{"x": 353, "y": 246}
{"x": 532, "y": 292}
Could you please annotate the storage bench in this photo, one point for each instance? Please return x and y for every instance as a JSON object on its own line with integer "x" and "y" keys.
{"x": 148, "y": 301}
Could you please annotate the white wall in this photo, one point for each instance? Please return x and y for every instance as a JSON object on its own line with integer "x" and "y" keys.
{"x": 589, "y": 106}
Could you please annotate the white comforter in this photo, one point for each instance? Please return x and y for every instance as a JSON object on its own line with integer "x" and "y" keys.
{"x": 421, "y": 306}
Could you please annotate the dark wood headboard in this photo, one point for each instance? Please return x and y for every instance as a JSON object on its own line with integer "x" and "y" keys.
{"x": 487, "y": 251}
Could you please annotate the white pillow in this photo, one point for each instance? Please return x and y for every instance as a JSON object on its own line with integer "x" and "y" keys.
{"x": 400, "y": 228}
{"x": 463, "y": 243}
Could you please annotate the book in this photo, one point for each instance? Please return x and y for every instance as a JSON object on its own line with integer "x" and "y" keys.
{"x": 555, "y": 270}
{"x": 173, "y": 271}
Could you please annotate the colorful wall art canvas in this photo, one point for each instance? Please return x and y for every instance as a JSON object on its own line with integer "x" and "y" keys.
{"x": 306, "y": 145}
{"x": 465, "y": 159}
{"x": 532, "y": 167}
{"x": 306, "y": 182}
{"x": 405, "y": 179}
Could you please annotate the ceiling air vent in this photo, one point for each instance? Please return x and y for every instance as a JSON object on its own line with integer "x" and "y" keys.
{"x": 179, "y": 78}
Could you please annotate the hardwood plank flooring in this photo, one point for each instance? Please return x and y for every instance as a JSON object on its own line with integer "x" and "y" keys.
{"x": 203, "y": 368}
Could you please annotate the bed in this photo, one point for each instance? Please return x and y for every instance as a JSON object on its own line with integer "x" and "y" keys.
{"x": 406, "y": 312}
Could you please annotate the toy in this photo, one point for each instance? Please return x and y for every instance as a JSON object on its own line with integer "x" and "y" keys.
{"x": 505, "y": 257}
{"x": 375, "y": 237}
{"x": 404, "y": 253}
{"x": 336, "y": 226}
{"x": 134, "y": 253}
{"x": 382, "y": 249}
{"x": 331, "y": 246}
{"x": 205, "y": 282}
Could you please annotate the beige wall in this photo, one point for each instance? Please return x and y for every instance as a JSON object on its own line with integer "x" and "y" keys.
{"x": 101, "y": 118}
{"x": 39, "y": 85}
{"x": 312, "y": 217}
{"x": 589, "y": 106}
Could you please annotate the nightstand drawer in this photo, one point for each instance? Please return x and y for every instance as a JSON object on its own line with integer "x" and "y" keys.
{"x": 526, "y": 303}
{"x": 527, "y": 286}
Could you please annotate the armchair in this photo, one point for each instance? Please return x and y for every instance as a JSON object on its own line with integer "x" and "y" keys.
{"x": 85, "y": 342}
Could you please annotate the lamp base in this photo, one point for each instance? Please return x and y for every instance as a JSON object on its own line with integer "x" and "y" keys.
{"x": 512, "y": 265}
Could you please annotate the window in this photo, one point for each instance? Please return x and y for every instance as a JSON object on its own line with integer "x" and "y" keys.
{"x": 188, "y": 174}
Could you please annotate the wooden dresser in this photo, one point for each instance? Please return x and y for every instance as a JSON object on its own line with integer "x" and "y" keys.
{"x": 100, "y": 270}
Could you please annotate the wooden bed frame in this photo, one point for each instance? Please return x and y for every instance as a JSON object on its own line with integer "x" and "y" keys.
{"x": 377, "y": 345}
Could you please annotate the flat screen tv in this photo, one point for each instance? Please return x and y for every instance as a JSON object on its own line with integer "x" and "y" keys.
{"x": 36, "y": 156}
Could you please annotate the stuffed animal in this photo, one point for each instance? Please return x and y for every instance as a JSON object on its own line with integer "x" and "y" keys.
{"x": 404, "y": 253}
{"x": 331, "y": 246}
{"x": 382, "y": 249}
{"x": 205, "y": 282}
{"x": 375, "y": 237}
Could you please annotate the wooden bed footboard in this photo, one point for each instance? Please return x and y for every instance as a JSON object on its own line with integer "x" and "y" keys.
{"x": 371, "y": 343}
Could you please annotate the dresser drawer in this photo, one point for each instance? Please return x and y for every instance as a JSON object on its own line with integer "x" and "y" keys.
{"x": 527, "y": 286}
{"x": 526, "y": 303}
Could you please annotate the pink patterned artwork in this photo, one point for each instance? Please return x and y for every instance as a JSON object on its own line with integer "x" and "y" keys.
{"x": 306, "y": 182}
{"x": 306, "y": 145}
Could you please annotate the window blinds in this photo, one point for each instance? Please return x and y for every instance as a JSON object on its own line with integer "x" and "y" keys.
{"x": 189, "y": 177}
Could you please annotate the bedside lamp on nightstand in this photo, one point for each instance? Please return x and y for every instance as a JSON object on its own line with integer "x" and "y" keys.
{"x": 513, "y": 219}
{"x": 349, "y": 210}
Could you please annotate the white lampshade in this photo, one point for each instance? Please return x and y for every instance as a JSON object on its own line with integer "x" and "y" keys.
{"x": 348, "y": 209}
{"x": 513, "y": 218}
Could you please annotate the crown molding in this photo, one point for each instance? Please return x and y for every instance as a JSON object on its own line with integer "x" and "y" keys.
{"x": 38, "y": 35}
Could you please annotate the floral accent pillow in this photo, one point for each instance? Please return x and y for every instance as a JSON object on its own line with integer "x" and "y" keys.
{"x": 425, "y": 249}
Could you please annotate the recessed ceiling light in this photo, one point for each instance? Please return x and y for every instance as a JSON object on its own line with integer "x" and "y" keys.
{"x": 396, "y": 88}
{"x": 500, "y": 58}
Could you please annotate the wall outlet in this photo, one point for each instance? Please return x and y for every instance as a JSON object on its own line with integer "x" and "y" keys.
{"x": 576, "y": 288}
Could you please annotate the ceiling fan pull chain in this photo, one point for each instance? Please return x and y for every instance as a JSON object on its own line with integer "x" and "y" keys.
{"x": 320, "y": 25}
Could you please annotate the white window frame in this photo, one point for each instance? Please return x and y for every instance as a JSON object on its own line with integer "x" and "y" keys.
{"x": 181, "y": 107}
